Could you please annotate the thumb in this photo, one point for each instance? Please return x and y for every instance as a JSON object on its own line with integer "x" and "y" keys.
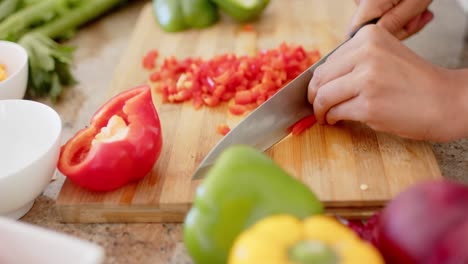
{"x": 399, "y": 16}
{"x": 415, "y": 25}
{"x": 368, "y": 10}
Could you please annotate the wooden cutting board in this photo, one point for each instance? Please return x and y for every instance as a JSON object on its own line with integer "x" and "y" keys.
{"x": 334, "y": 161}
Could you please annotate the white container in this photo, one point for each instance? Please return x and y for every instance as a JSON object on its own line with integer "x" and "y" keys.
{"x": 26, "y": 243}
{"x": 29, "y": 150}
{"x": 15, "y": 58}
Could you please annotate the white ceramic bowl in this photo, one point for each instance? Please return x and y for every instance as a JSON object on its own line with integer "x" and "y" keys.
{"x": 26, "y": 243}
{"x": 29, "y": 150}
{"x": 15, "y": 58}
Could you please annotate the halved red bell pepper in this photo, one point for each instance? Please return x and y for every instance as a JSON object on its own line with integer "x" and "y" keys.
{"x": 121, "y": 144}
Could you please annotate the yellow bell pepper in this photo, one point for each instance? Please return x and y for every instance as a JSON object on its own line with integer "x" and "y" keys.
{"x": 285, "y": 239}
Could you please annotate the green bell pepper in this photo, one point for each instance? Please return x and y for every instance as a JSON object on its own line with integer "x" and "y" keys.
{"x": 242, "y": 10}
{"x": 241, "y": 188}
{"x": 179, "y": 15}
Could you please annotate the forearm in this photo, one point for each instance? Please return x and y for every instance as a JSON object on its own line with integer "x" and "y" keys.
{"x": 457, "y": 120}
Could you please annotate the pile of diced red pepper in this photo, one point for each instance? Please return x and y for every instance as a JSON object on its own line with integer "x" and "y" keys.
{"x": 243, "y": 82}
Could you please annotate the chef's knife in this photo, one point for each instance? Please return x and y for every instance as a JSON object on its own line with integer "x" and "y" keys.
{"x": 270, "y": 122}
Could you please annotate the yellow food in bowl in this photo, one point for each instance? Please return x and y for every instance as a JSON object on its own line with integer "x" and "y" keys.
{"x": 3, "y": 72}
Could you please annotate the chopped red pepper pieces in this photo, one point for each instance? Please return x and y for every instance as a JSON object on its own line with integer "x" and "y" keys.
{"x": 149, "y": 61}
{"x": 121, "y": 145}
{"x": 245, "y": 82}
{"x": 223, "y": 129}
{"x": 237, "y": 109}
{"x": 244, "y": 97}
{"x": 248, "y": 28}
{"x": 303, "y": 124}
{"x": 247, "y": 79}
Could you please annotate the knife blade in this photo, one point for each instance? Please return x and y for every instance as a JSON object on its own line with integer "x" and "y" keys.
{"x": 270, "y": 122}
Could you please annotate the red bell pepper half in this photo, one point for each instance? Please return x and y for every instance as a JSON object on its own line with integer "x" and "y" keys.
{"x": 121, "y": 144}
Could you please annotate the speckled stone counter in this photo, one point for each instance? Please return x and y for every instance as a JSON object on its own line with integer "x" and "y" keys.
{"x": 100, "y": 46}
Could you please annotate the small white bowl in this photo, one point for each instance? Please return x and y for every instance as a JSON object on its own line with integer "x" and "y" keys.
{"x": 29, "y": 150}
{"x": 26, "y": 243}
{"x": 15, "y": 59}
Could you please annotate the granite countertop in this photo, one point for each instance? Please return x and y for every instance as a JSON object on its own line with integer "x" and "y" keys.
{"x": 100, "y": 46}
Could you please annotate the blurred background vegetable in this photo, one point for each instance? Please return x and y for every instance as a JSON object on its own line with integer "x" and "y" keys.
{"x": 318, "y": 239}
{"x": 37, "y": 25}
{"x": 242, "y": 10}
{"x": 242, "y": 187}
{"x": 180, "y": 15}
{"x": 425, "y": 224}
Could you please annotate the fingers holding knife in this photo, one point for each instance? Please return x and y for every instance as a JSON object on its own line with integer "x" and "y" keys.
{"x": 337, "y": 80}
{"x": 402, "y": 18}
{"x": 329, "y": 85}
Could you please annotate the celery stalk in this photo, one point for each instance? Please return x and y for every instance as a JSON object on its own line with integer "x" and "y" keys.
{"x": 17, "y": 24}
{"x": 8, "y": 7}
{"x": 49, "y": 65}
{"x": 37, "y": 25}
{"x": 75, "y": 18}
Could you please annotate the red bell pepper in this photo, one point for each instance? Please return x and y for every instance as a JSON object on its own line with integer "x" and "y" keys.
{"x": 121, "y": 144}
{"x": 302, "y": 125}
{"x": 223, "y": 129}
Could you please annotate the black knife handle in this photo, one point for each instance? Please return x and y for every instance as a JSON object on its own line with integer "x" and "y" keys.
{"x": 373, "y": 21}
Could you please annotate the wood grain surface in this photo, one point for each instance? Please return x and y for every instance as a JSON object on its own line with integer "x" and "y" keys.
{"x": 334, "y": 161}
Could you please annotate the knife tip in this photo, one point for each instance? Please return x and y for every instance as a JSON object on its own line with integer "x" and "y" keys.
{"x": 201, "y": 172}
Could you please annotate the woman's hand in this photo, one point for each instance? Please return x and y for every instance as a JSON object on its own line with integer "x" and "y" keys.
{"x": 376, "y": 80}
{"x": 402, "y": 18}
